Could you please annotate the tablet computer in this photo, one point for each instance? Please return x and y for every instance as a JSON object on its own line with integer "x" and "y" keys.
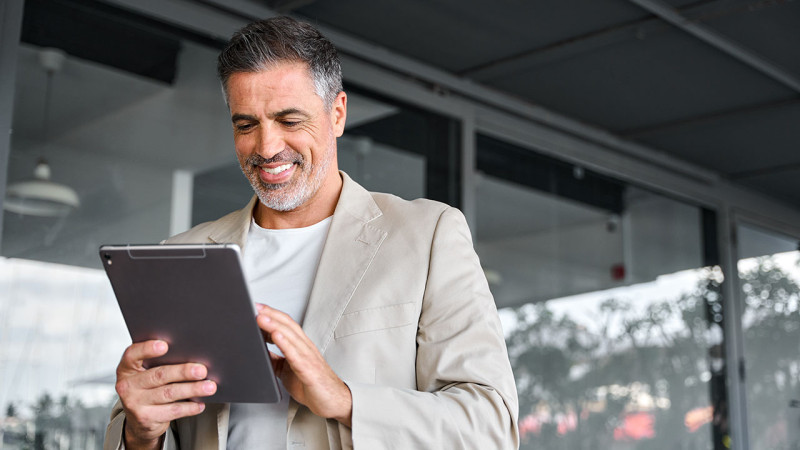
{"x": 195, "y": 298}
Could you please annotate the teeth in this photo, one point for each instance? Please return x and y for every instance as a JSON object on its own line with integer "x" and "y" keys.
{"x": 276, "y": 170}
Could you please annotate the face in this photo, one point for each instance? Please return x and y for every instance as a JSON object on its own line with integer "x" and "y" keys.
{"x": 285, "y": 138}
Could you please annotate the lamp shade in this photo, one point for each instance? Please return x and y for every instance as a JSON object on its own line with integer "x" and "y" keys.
{"x": 40, "y": 196}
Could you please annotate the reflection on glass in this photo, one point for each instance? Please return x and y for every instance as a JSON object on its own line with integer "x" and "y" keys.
{"x": 123, "y": 117}
{"x": 611, "y": 303}
{"x": 769, "y": 273}
{"x": 623, "y": 368}
{"x": 61, "y": 336}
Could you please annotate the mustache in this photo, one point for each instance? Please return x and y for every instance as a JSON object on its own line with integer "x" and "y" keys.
{"x": 285, "y": 156}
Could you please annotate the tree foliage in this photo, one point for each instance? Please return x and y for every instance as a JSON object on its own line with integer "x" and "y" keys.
{"x": 578, "y": 384}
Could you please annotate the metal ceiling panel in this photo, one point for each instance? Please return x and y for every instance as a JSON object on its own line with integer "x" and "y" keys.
{"x": 770, "y": 28}
{"x": 784, "y": 185}
{"x": 656, "y": 78}
{"x": 736, "y": 144}
{"x": 459, "y": 35}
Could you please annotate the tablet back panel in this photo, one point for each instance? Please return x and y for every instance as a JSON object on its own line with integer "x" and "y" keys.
{"x": 195, "y": 298}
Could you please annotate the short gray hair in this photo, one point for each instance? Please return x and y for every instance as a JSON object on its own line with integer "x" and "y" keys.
{"x": 263, "y": 44}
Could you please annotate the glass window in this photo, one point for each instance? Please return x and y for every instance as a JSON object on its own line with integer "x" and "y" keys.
{"x": 138, "y": 130}
{"x": 610, "y": 300}
{"x": 115, "y": 123}
{"x": 769, "y": 275}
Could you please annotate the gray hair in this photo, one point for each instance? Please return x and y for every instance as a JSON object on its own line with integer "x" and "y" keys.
{"x": 263, "y": 44}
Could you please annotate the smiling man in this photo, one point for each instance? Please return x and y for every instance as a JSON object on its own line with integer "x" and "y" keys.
{"x": 380, "y": 322}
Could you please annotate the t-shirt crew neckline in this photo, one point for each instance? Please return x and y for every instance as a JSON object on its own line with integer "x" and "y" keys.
{"x": 309, "y": 229}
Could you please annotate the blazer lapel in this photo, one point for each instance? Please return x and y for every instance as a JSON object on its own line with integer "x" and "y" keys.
{"x": 233, "y": 228}
{"x": 349, "y": 249}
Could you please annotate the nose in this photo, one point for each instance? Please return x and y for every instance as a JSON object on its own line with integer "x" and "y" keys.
{"x": 271, "y": 142}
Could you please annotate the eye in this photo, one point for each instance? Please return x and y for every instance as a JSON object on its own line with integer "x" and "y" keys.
{"x": 243, "y": 127}
{"x": 290, "y": 123}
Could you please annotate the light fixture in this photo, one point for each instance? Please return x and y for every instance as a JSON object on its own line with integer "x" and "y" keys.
{"x": 40, "y": 196}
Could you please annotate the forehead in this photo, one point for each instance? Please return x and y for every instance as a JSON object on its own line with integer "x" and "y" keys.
{"x": 282, "y": 85}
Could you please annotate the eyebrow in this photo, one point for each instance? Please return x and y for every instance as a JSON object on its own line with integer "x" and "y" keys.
{"x": 237, "y": 117}
{"x": 282, "y": 113}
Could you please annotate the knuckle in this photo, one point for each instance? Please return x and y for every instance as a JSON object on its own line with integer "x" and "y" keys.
{"x": 159, "y": 375}
{"x": 122, "y": 387}
{"x": 130, "y": 353}
{"x": 144, "y": 417}
{"x": 169, "y": 393}
{"x": 176, "y": 409}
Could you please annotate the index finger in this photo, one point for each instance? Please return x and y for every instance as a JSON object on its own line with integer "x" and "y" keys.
{"x": 136, "y": 353}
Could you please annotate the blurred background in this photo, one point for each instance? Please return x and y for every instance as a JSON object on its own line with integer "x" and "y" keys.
{"x": 629, "y": 169}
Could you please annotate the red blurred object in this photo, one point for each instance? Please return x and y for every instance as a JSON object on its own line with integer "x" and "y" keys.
{"x": 529, "y": 424}
{"x": 635, "y": 426}
{"x": 698, "y": 417}
{"x": 618, "y": 272}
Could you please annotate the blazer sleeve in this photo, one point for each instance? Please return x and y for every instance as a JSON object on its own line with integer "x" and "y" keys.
{"x": 113, "y": 438}
{"x": 466, "y": 395}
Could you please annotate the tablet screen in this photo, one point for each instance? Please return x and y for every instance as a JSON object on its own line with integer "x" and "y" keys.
{"x": 195, "y": 298}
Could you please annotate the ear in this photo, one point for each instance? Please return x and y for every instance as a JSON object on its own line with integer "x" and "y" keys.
{"x": 339, "y": 113}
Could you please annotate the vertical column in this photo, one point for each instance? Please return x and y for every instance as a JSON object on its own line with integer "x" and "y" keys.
{"x": 468, "y": 175}
{"x": 734, "y": 341}
{"x": 10, "y": 29}
{"x": 442, "y": 159}
{"x": 182, "y": 196}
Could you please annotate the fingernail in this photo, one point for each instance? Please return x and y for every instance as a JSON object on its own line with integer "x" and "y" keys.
{"x": 209, "y": 387}
{"x": 160, "y": 346}
{"x": 260, "y": 306}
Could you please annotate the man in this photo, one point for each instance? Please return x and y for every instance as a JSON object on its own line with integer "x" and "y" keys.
{"x": 400, "y": 344}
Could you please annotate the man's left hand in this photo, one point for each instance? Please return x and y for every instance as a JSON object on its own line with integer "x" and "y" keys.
{"x": 305, "y": 374}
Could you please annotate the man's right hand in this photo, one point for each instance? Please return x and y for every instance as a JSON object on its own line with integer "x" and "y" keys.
{"x": 153, "y": 397}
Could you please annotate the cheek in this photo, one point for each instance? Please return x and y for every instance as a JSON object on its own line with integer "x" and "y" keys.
{"x": 301, "y": 143}
{"x": 242, "y": 147}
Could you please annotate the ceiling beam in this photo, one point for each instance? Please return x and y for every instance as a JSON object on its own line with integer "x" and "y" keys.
{"x": 720, "y": 42}
{"x": 585, "y": 43}
{"x": 285, "y": 6}
{"x": 661, "y": 128}
{"x": 771, "y": 170}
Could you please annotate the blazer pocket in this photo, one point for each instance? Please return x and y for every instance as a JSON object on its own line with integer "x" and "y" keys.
{"x": 374, "y": 319}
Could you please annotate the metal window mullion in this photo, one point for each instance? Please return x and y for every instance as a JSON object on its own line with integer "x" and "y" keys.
{"x": 10, "y": 29}
{"x": 468, "y": 171}
{"x": 734, "y": 338}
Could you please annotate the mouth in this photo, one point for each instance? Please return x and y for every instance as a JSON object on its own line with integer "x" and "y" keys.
{"x": 276, "y": 174}
{"x": 277, "y": 170}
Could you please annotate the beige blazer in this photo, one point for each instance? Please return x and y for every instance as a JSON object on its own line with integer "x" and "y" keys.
{"x": 402, "y": 312}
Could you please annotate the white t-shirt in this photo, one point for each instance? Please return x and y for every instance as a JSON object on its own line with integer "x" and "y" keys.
{"x": 280, "y": 266}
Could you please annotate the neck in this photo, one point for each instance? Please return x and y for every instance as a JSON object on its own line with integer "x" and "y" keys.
{"x": 316, "y": 209}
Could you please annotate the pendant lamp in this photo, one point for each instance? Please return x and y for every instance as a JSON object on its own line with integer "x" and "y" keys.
{"x": 39, "y": 196}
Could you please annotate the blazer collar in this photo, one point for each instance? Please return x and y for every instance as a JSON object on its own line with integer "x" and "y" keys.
{"x": 233, "y": 227}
